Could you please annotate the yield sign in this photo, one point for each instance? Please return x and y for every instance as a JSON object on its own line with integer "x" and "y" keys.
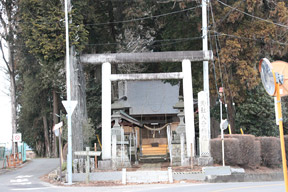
{"x": 69, "y": 106}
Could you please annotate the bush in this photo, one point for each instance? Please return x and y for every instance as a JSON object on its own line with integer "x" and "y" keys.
{"x": 286, "y": 146}
{"x": 248, "y": 156}
{"x": 232, "y": 151}
{"x": 231, "y": 147}
{"x": 270, "y": 151}
{"x": 215, "y": 149}
{"x": 257, "y": 154}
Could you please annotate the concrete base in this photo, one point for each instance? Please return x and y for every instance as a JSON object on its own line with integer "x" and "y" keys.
{"x": 194, "y": 175}
{"x": 215, "y": 171}
{"x": 186, "y": 162}
{"x": 205, "y": 161}
{"x": 243, "y": 177}
{"x": 118, "y": 163}
{"x": 105, "y": 164}
{"x": 237, "y": 170}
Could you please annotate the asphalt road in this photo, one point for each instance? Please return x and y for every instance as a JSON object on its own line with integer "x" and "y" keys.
{"x": 27, "y": 179}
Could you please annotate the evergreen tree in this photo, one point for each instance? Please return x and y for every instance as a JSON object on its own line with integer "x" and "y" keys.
{"x": 43, "y": 32}
{"x": 256, "y": 115}
{"x": 242, "y": 40}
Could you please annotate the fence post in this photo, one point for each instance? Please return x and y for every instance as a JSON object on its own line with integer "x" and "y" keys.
{"x": 124, "y": 178}
{"x": 170, "y": 175}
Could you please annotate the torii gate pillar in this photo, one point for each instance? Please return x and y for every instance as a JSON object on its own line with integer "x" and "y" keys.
{"x": 188, "y": 107}
{"x": 106, "y": 111}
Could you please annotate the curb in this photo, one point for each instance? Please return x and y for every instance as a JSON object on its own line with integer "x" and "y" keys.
{"x": 245, "y": 177}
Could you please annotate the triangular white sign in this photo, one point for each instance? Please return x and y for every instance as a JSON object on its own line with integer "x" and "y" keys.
{"x": 70, "y": 108}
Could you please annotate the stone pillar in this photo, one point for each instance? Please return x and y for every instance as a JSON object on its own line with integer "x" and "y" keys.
{"x": 204, "y": 129}
{"x": 181, "y": 126}
{"x": 106, "y": 111}
{"x": 188, "y": 107}
{"x": 114, "y": 148}
{"x": 182, "y": 141}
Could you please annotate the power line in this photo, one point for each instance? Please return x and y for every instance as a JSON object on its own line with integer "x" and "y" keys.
{"x": 239, "y": 37}
{"x": 247, "y": 38}
{"x": 259, "y": 18}
{"x": 144, "y": 18}
{"x": 179, "y": 40}
{"x": 217, "y": 51}
{"x": 211, "y": 47}
{"x": 219, "y": 63}
{"x": 228, "y": 12}
{"x": 127, "y": 21}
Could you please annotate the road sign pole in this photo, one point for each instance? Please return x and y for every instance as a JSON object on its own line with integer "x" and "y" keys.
{"x": 223, "y": 154}
{"x": 60, "y": 154}
{"x": 14, "y": 144}
{"x": 282, "y": 141}
{"x": 68, "y": 84}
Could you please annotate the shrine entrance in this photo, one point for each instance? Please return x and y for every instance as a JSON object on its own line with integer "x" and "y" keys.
{"x": 110, "y": 145}
{"x": 154, "y": 142}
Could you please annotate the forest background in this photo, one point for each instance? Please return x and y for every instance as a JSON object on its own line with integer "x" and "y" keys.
{"x": 241, "y": 32}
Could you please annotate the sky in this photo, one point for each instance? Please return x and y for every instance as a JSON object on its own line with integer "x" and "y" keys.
{"x": 5, "y": 106}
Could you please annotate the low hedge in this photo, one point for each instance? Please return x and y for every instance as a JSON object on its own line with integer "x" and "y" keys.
{"x": 286, "y": 147}
{"x": 242, "y": 150}
{"x": 232, "y": 151}
{"x": 249, "y": 151}
{"x": 270, "y": 151}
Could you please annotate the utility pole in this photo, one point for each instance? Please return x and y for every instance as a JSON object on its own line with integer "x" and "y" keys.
{"x": 205, "y": 63}
{"x": 69, "y": 105}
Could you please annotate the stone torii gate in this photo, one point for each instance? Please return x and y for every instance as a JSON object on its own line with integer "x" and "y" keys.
{"x": 147, "y": 57}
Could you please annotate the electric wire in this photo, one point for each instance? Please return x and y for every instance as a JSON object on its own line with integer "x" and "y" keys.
{"x": 211, "y": 48}
{"x": 225, "y": 69}
{"x": 144, "y": 18}
{"x": 126, "y": 21}
{"x": 229, "y": 12}
{"x": 155, "y": 41}
{"x": 217, "y": 46}
{"x": 218, "y": 55}
{"x": 259, "y": 18}
{"x": 247, "y": 38}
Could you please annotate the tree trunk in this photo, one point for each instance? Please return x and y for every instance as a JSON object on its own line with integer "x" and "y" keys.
{"x": 12, "y": 93}
{"x": 78, "y": 93}
{"x": 231, "y": 114}
{"x": 46, "y": 136}
{"x": 55, "y": 121}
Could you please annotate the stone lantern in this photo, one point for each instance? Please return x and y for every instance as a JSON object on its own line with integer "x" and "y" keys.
{"x": 181, "y": 126}
{"x": 116, "y": 107}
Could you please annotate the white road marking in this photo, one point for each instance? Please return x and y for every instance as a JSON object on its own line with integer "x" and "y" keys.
{"x": 18, "y": 180}
{"x": 27, "y": 183}
{"x": 29, "y": 189}
{"x": 23, "y": 176}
